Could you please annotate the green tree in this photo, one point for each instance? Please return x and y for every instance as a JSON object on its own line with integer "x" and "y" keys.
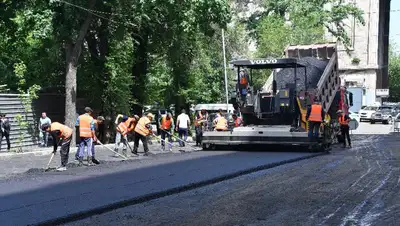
{"x": 302, "y": 21}
{"x": 394, "y": 74}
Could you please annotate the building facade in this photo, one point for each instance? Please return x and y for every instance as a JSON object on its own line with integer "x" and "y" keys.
{"x": 366, "y": 65}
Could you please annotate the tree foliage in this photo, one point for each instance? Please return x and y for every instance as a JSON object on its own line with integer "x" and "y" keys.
{"x": 284, "y": 22}
{"x": 120, "y": 54}
{"x": 394, "y": 73}
{"x": 161, "y": 51}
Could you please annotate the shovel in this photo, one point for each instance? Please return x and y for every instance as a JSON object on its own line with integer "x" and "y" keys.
{"x": 112, "y": 150}
{"x": 48, "y": 164}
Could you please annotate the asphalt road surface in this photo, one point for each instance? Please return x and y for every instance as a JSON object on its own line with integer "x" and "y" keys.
{"x": 358, "y": 186}
{"x": 37, "y": 196}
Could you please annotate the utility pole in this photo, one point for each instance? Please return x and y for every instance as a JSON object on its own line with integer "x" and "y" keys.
{"x": 226, "y": 76}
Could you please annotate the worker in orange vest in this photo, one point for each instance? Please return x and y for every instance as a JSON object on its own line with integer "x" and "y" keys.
{"x": 61, "y": 134}
{"x": 344, "y": 121}
{"x": 238, "y": 121}
{"x": 199, "y": 123}
{"x": 121, "y": 135}
{"x": 87, "y": 135}
{"x": 221, "y": 124}
{"x": 100, "y": 120}
{"x": 243, "y": 84}
{"x": 142, "y": 130}
{"x": 130, "y": 121}
{"x": 315, "y": 116}
{"x": 167, "y": 125}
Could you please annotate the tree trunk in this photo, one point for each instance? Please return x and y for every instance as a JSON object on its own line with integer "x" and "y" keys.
{"x": 73, "y": 52}
{"x": 140, "y": 64}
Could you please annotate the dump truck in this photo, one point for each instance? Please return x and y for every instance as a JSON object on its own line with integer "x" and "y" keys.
{"x": 276, "y": 113}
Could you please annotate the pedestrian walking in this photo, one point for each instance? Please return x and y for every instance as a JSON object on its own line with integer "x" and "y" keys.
{"x": 166, "y": 128}
{"x": 43, "y": 135}
{"x": 142, "y": 130}
{"x": 182, "y": 127}
{"x": 5, "y": 130}
{"x": 344, "y": 127}
{"x": 62, "y": 135}
{"x": 86, "y": 134}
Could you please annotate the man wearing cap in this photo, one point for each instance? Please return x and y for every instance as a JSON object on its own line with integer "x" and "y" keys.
{"x": 142, "y": 130}
{"x": 64, "y": 133}
{"x": 5, "y": 129}
{"x": 201, "y": 119}
{"x": 344, "y": 127}
{"x": 86, "y": 133}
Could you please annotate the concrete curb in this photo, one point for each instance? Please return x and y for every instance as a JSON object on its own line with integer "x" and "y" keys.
{"x": 156, "y": 195}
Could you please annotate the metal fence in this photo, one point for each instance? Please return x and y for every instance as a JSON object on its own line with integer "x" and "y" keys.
{"x": 11, "y": 105}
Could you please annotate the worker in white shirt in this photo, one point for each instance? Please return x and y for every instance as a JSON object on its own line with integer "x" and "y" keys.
{"x": 182, "y": 127}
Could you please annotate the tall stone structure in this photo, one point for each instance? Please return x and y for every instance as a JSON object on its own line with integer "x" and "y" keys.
{"x": 366, "y": 67}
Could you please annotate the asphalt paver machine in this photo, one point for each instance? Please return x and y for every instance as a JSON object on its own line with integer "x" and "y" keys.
{"x": 276, "y": 113}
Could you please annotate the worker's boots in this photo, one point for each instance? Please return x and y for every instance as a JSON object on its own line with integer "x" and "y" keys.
{"x": 95, "y": 161}
{"x": 124, "y": 153}
{"x": 80, "y": 161}
{"x": 89, "y": 161}
{"x": 116, "y": 153}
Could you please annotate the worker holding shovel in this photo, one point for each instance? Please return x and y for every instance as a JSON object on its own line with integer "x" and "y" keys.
{"x": 142, "y": 130}
{"x": 166, "y": 126}
{"x": 61, "y": 135}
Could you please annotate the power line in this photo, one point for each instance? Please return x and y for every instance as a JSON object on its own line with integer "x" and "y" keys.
{"x": 92, "y": 10}
{"x": 128, "y": 15}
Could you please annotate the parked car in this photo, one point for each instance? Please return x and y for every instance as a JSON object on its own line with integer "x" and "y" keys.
{"x": 366, "y": 113}
{"x": 354, "y": 115}
{"x": 384, "y": 114}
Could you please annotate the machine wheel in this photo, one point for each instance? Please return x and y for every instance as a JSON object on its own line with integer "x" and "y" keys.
{"x": 208, "y": 147}
{"x": 372, "y": 122}
{"x": 387, "y": 121}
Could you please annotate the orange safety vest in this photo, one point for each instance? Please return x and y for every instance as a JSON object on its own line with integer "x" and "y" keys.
{"x": 316, "y": 113}
{"x": 243, "y": 80}
{"x": 166, "y": 123}
{"x": 122, "y": 128}
{"x": 84, "y": 126}
{"x": 129, "y": 125}
{"x": 343, "y": 122}
{"x": 141, "y": 126}
{"x": 221, "y": 124}
{"x": 65, "y": 131}
{"x": 238, "y": 122}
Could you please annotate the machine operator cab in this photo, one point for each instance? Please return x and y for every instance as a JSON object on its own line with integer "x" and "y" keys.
{"x": 272, "y": 105}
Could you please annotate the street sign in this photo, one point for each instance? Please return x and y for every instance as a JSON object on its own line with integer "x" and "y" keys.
{"x": 382, "y": 92}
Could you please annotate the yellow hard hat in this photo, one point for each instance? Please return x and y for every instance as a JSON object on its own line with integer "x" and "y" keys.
{"x": 150, "y": 115}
